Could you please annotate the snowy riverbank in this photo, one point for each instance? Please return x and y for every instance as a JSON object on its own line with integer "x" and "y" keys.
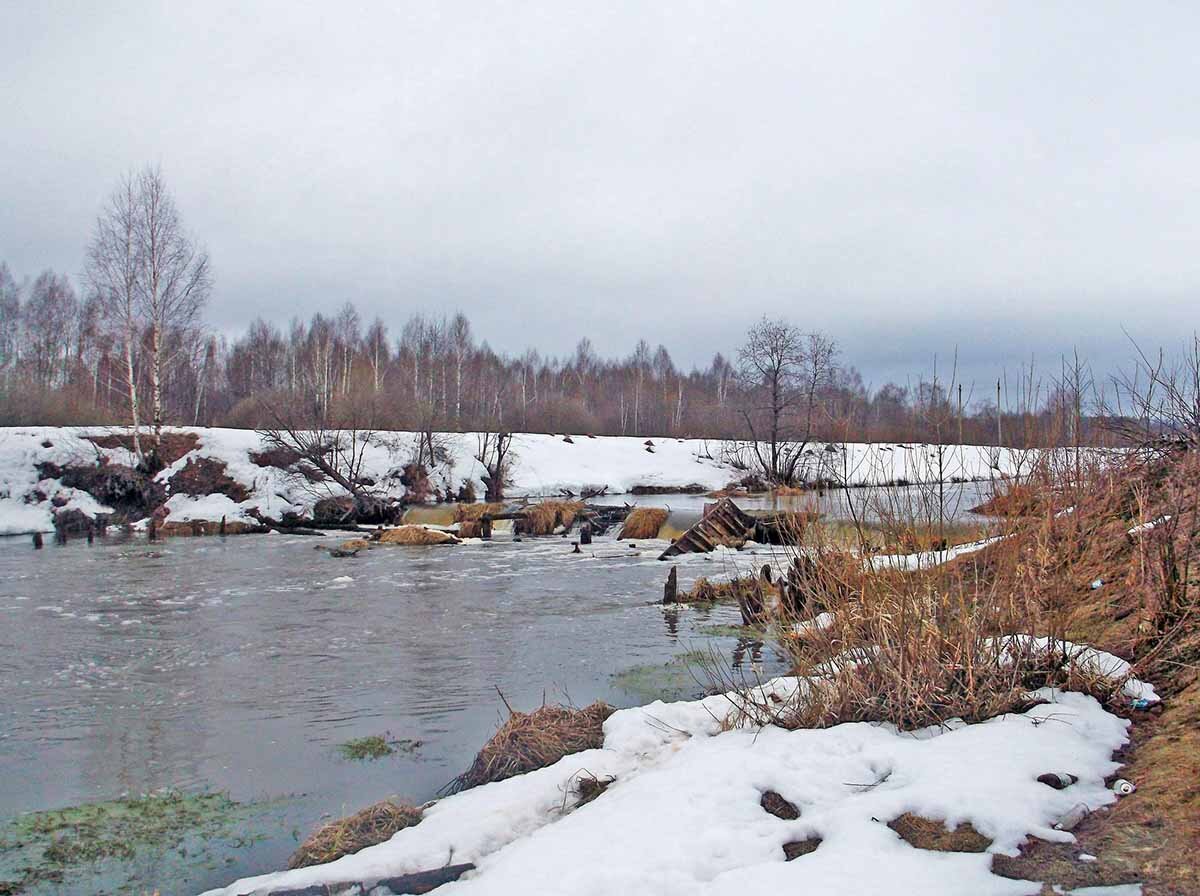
{"x": 683, "y": 813}
{"x": 542, "y": 465}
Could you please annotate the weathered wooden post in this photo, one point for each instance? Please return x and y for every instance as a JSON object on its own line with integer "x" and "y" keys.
{"x": 222, "y": 526}
{"x": 485, "y": 527}
{"x": 671, "y": 588}
{"x": 585, "y": 533}
{"x": 37, "y": 541}
{"x": 152, "y": 529}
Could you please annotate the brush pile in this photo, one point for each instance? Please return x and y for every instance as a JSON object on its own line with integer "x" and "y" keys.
{"x": 371, "y": 826}
{"x": 529, "y": 741}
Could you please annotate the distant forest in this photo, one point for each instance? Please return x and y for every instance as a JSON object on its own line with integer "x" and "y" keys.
{"x": 130, "y": 336}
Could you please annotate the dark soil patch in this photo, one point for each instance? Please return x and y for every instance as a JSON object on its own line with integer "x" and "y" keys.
{"x": 205, "y": 476}
{"x": 170, "y": 448}
{"x": 278, "y": 457}
{"x": 797, "y": 848}
{"x": 132, "y": 494}
{"x": 776, "y": 805}
{"x": 925, "y": 833}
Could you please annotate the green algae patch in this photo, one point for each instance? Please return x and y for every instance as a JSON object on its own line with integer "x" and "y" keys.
{"x": 680, "y": 678}
{"x": 53, "y": 846}
{"x": 376, "y": 746}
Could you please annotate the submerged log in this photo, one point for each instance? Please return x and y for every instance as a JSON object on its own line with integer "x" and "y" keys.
{"x": 415, "y": 883}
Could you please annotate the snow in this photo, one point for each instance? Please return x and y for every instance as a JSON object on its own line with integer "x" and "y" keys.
{"x": 927, "y": 559}
{"x": 683, "y": 814}
{"x": 542, "y": 465}
{"x": 1148, "y": 526}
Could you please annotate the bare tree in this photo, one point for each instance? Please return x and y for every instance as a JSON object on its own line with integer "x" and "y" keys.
{"x": 173, "y": 279}
{"x": 782, "y": 372}
{"x": 112, "y": 270}
{"x": 460, "y": 344}
{"x": 10, "y": 319}
{"x": 493, "y": 451}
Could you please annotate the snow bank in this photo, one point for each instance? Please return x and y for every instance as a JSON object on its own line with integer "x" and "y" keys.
{"x": 683, "y": 815}
{"x": 542, "y": 465}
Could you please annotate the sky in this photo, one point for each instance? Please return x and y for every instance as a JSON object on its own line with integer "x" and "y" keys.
{"x": 1008, "y": 181}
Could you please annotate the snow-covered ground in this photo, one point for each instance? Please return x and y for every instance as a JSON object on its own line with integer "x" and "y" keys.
{"x": 542, "y": 465}
{"x": 683, "y": 815}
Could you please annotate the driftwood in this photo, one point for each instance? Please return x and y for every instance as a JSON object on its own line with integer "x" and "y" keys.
{"x": 417, "y": 882}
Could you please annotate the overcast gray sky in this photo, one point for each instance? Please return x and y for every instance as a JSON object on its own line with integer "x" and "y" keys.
{"x": 1009, "y": 178}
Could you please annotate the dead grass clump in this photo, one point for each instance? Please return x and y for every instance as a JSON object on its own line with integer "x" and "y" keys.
{"x": 924, "y": 833}
{"x": 733, "y": 591}
{"x": 373, "y": 825}
{"x": 643, "y": 522}
{"x": 472, "y": 512}
{"x": 279, "y": 457}
{"x": 415, "y": 535}
{"x": 206, "y": 476}
{"x": 544, "y": 518}
{"x": 533, "y": 740}
{"x": 588, "y": 787}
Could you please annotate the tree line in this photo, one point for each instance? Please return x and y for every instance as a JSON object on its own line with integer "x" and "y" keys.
{"x": 125, "y": 342}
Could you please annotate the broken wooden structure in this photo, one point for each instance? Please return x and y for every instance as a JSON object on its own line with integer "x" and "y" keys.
{"x": 723, "y": 523}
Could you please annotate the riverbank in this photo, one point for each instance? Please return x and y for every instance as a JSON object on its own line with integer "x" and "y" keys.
{"x": 210, "y": 475}
{"x": 940, "y": 756}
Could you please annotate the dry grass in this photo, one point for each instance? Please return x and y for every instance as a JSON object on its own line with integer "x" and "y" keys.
{"x": 733, "y": 591}
{"x": 643, "y": 522}
{"x": 415, "y": 535}
{"x": 925, "y": 833}
{"x": 371, "y": 826}
{"x": 544, "y": 518}
{"x": 472, "y": 512}
{"x": 529, "y": 741}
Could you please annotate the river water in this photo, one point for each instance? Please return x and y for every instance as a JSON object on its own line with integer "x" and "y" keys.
{"x": 239, "y": 665}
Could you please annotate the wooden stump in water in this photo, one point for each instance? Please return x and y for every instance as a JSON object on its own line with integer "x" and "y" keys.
{"x": 671, "y": 588}
{"x": 585, "y": 533}
{"x": 37, "y": 541}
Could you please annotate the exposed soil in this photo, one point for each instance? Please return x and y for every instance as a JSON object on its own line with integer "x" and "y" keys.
{"x": 205, "y": 476}
{"x": 170, "y": 448}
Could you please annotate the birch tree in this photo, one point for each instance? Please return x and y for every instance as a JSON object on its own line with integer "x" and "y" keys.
{"x": 173, "y": 280}
{"x": 112, "y": 271}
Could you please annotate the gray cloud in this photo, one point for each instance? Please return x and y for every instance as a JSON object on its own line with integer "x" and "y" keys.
{"x": 1007, "y": 179}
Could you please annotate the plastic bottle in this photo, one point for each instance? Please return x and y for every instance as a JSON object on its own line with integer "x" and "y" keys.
{"x": 1071, "y": 819}
{"x": 1057, "y": 780}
